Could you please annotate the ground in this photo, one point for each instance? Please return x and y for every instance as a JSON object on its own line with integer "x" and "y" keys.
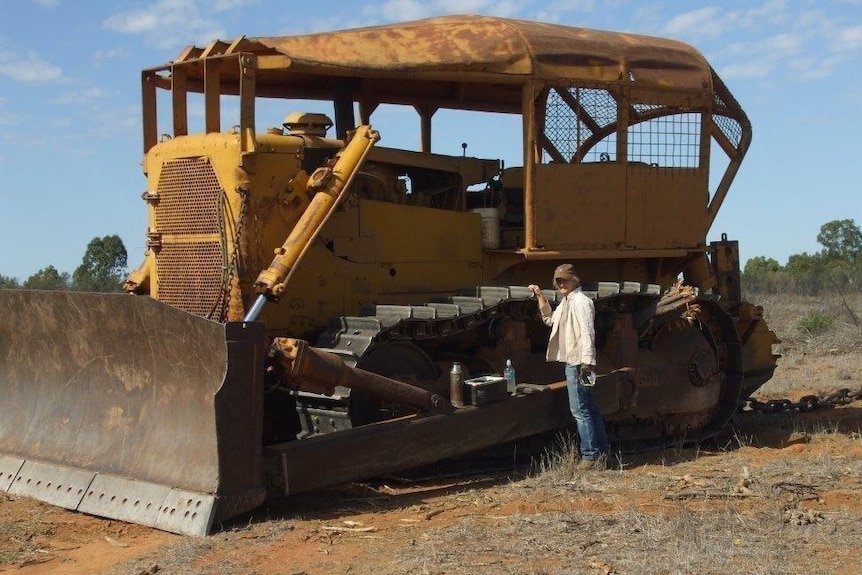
{"x": 776, "y": 493}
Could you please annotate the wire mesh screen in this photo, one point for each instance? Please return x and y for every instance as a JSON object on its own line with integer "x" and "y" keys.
{"x": 730, "y": 127}
{"x": 190, "y": 278}
{"x": 579, "y": 125}
{"x": 666, "y": 139}
{"x": 192, "y": 260}
{"x": 189, "y": 191}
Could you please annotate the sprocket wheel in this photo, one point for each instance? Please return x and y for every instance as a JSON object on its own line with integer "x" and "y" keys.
{"x": 399, "y": 360}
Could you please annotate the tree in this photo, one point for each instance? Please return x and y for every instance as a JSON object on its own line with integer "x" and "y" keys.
{"x": 48, "y": 279}
{"x": 762, "y": 274}
{"x": 8, "y": 282}
{"x": 803, "y": 264}
{"x": 842, "y": 244}
{"x": 841, "y": 239}
{"x": 808, "y": 272}
{"x": 760, "y": 266}
{"x": 103, "y": 267}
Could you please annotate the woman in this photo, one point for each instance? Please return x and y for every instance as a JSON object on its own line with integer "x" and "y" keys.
{"x": 573, "y": 342}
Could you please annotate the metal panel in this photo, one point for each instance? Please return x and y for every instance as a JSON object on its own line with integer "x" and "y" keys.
{"x": 9, "y": 467}
{"x": 186, "y": 512}
{"x": 395, "y": 227}
{"x": 568, "y": 199}
{"x": 54, "y": 484}
{"x": 124, "y": 499}
{"x": 666, "y": 207}
{"x": 159, "y": 506}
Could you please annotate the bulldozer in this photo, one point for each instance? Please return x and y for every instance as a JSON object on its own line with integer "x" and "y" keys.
{"x": 306, "y": 290}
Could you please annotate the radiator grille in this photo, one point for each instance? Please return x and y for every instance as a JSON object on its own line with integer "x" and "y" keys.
{"x": 189, "y": 193}
{"x": 187, "y": 279}
{"x": 189, "y": 217}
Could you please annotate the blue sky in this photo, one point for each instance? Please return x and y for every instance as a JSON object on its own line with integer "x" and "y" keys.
{"x": 70, "y": 136}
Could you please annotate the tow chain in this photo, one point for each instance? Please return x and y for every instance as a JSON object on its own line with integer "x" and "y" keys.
{"x": 805, "y": 404}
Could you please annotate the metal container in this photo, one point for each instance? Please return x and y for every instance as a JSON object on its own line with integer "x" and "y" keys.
{"x": 485, "y": 389}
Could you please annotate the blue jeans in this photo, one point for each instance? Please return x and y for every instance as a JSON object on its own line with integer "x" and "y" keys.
{"x": 591, "y": 424}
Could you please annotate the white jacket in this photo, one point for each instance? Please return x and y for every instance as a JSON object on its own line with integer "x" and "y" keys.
{"x": 573, "y": 333}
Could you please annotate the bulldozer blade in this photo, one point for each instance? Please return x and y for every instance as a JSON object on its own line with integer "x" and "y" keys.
{"x": 124, "y": 407}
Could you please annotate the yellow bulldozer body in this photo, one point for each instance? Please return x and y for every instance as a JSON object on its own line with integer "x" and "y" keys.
{"x": 304, "y": 295}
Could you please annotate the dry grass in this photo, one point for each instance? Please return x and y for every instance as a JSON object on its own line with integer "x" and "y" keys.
{"x": 784, "y": 312}
{"x": 818, "y": 363}
{"x": 681, "y": 511}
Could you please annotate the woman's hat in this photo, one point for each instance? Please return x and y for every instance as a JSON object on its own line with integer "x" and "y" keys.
{"x": 566, "y": 272}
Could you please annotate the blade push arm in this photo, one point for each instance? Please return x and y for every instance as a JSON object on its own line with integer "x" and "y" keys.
{"x": 328, "y": 184}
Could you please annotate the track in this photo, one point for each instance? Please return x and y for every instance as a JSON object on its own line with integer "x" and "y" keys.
{"x": 414, "y": 344}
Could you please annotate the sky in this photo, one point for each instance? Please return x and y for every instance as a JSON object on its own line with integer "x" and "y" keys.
{"x": 70, "y": 105}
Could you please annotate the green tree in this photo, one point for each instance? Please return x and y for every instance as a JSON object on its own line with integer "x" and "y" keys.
{"x": 103, "y": 267}
{"x": 8, "y": 282}
{"x": 762, "y": 274}
{"x": 841, "y": 239}
{"x": 807, "y": 272}
{"x": 804, "y": 263}
{"x": 48, "y": 279}
{"x": 760, "y": 265}
{"x": 842, "y": 245}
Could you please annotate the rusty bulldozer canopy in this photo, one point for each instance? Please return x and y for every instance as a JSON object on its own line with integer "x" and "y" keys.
{"x": 474, "y": 51}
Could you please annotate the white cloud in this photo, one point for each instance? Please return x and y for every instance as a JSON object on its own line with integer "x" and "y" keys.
{"x": 168, "y": 23}
{"x": 404, "y": 10}
{"x": 100, "y": 56}
{"x": 814, "y": 20}
{"x": 761, "y": 57}
{"x": 806, "y": 45}
{"x": 80, "y": 96}
{"x": 571, "y": 6}
{"x": 746, "y": 70}
{"x": 710, "y": 22}
{"x": 109, "y": 122}
{"x": 222, "y": 5}
{"x": 773, "y": 12}
{"x": 32, "y": 69}
{"x": 812, "y": 68}
{"x": 847, "y": 40}
{"x": 498, "y": 8}
{"x": 62, "y": 122}
{"x": 135, "y": 22}
{"x": 9, "y": 120}
{"x": 401, "y": 10}
{"x": 782, "y": 45}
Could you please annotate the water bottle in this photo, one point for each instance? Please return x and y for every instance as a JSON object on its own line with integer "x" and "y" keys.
{"x": 509, "y": 374}
{"x": 456, "y": 385}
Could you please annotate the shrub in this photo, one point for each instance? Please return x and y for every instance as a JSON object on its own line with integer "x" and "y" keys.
{"x": 814, "y": 323}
